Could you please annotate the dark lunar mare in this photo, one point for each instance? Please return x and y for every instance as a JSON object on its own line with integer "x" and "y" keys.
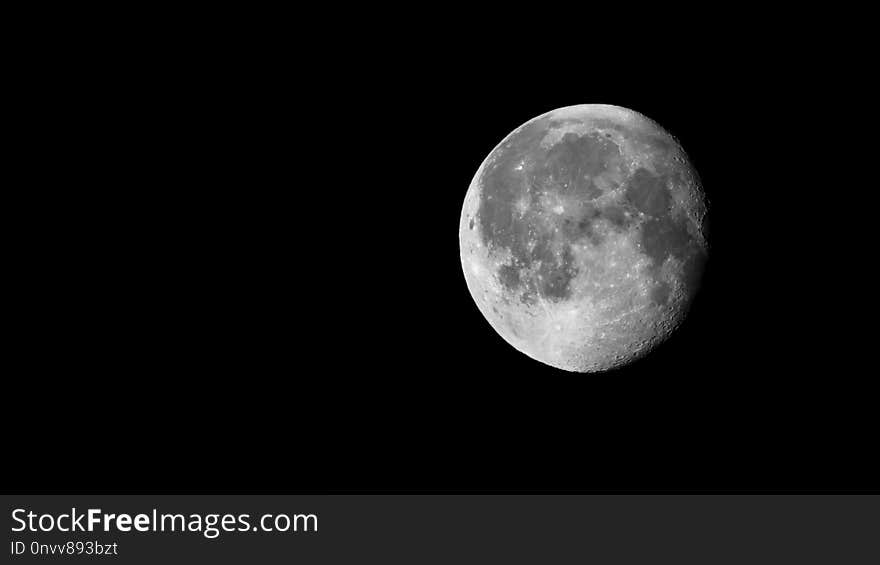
{"x": 567, "y": 170}
{"x": 573, "y": 159}
{"x": 663, "y": 234}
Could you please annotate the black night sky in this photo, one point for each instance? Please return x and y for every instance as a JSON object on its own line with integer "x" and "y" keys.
{"x": 244, "y": 274}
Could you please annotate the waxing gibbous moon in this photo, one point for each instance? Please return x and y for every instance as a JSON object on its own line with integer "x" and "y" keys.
{"x": 583, "y": 237}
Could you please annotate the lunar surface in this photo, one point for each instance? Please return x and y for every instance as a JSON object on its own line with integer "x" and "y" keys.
{"x": 583, "y": 237}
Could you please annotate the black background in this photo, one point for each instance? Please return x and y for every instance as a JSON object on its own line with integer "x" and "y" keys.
{"x": 241, "y": 269}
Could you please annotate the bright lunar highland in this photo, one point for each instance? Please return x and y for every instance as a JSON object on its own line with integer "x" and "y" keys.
{"x": 583, "y": 237}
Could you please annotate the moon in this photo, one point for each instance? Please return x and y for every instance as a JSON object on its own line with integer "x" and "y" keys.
{"x": 583, "y": 237}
